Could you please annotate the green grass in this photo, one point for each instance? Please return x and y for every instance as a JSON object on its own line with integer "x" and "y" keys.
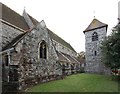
{"x": 79, "y": 83}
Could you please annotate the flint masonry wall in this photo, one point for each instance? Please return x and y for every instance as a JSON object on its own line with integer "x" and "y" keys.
{"x": 31, "y": 67}
{"x": 8, "y": 34}
{"x": 94, "y": 63}
{"x": 62, "y": 48}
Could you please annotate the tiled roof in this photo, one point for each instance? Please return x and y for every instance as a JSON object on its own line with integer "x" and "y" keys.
{"x": 80, "y": 60}
{"x": 15, "y": 19}
{"x": 61, "y": 57}
{"x": 72, "y": 59}
{"x": 94, "y": 25}
{"x": 66, "y": 58}
{"x": 60, "y": 40}
{"x": 53, "y": 35}
{"x": 12, "y": 17}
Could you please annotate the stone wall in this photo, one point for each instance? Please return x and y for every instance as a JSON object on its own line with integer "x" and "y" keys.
{"x": 32, "y": 68}
{"x": 94, "y": 63}
{"x": 8, "y": 34}
{"x": 64, "y": 49}
{"x": 25, "y": 61}
{"x": 58, "y": 46}
{"x": 28, "y": 20}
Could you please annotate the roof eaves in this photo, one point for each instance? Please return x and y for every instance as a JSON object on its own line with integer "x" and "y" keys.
{"x": 5, "y": 22}
{"x": 16, "y": 40}
{"x": 95, "y": 24}
{"x": 95, "y": 28}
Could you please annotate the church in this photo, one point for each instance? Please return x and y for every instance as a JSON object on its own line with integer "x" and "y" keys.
{"x": 31, "y": 53}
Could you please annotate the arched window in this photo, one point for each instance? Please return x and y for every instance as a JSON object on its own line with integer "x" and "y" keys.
{"x": 94, "y": 36}
{"x": 43, "y": 50}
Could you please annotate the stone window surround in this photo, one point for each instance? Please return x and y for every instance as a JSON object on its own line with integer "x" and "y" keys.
{"x": 94, "y": 36}
{"x": 39, "y": 50}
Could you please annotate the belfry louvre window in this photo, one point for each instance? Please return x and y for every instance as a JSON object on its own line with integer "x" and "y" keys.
{"x": 43, "y": 50}
{"x": 94, "y": 36}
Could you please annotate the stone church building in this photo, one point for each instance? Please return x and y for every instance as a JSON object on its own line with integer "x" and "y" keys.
{"x": 95, "y": 33}
{"x": 31, "y": 53}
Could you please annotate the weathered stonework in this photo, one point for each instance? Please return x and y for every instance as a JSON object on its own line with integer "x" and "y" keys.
{"x": 32, "y": 64}
{"x": 28, "y": 20}
{"x": 93, "y": 62}
{"x": 93, "y": 51}
{"x": 8, "y": 34}
{"x": 62, "y": 48}
{"x": 25, "y": 62}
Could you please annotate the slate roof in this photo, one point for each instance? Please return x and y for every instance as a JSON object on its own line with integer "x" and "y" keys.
{"x": 53, "y": 35}
{"x": 60, "y": 40}
{"x": 13, "y": 18}
{"x": 94, "y": 25}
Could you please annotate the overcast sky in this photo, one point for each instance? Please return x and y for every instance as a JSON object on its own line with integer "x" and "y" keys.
{"x": 69, "y": 18}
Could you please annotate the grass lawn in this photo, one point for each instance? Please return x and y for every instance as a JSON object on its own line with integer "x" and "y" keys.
{"x": 79, "y": 83}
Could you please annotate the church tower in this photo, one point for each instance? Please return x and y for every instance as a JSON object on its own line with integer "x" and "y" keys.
{"x": 94, "y": 35}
